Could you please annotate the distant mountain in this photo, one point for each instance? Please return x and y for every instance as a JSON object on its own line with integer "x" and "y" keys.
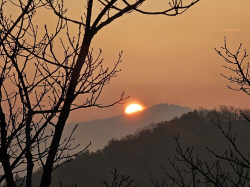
{"x": 100, "y": 131}
{"x": 140, "y": 154}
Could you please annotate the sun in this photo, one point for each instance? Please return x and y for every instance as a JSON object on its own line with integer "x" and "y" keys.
{"x": 133, "y": 108}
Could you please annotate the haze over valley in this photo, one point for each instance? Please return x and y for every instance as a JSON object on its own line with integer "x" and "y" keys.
{"x": 145, "y": 155}
{"x": 100, "y": 131}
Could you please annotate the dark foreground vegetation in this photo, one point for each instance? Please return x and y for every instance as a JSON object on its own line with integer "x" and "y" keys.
{"x": 146, "y": 156}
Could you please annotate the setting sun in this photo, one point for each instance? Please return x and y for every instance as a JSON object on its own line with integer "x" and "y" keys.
{"x": 133, "y": 108}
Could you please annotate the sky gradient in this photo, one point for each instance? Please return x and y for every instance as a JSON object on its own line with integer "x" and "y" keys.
{"x": 168, "y": 59}
{"x": 172, "y": 59}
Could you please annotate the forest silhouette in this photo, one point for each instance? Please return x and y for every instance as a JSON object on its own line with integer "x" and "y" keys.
{"x": 145, "y": 156}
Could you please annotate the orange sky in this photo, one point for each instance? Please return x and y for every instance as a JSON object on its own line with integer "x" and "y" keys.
{"x": 170, "y": 58}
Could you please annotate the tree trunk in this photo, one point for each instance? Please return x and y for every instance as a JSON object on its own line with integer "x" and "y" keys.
{"x": 4, "y": 157}
{"x": 46, "y": 177}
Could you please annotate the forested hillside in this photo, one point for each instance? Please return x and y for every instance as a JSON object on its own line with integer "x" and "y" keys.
{"x": 100, "y": 131}
{"x": 140, "y": 154}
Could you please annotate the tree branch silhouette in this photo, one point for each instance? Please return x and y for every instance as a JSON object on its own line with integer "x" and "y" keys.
{"x": 199, "y": 172}
{"x": 39, "y": 87}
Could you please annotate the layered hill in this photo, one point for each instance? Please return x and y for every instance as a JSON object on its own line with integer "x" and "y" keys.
{"x": 100, "y": 131}
{"x": 141, "y": 154}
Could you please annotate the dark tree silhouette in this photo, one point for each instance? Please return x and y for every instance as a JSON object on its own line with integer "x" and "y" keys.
{"x": 38, "y": 87}
{"x": 119, "y": 180}
{"x": 232, "y": 167}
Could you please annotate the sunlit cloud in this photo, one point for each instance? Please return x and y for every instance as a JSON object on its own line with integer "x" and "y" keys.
{"x": 232, "y": 29}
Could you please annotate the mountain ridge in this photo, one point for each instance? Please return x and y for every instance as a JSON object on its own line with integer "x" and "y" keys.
{"x": 145, "y": 152}
{"x": 100, "y": 131}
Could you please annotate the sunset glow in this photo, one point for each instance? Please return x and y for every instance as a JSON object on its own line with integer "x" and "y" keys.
{"x": 165, "y": 58}
{"x": 133, "y": 108}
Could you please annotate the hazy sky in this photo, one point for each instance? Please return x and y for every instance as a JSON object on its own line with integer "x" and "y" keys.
{"x": 169, "y": 58}
{"x": 173, "y": 58}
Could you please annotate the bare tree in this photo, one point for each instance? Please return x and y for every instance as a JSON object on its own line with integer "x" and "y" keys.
{"x": 119, "y": 180}
{"x": 238, "y": 66}
{"x": 39, "y": 87}
{"x": 232, "y": 167}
